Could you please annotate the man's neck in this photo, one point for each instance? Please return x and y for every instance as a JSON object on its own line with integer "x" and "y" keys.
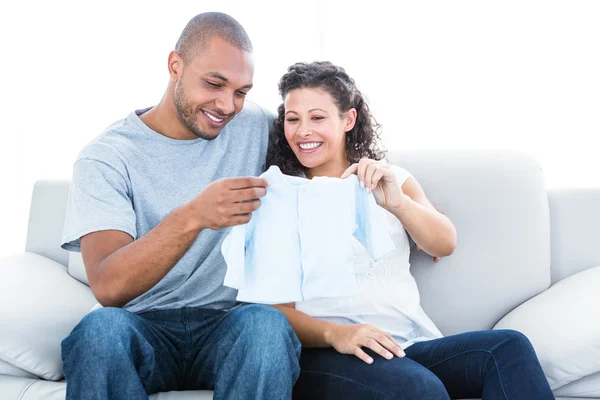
{"x": 163, "y": 119}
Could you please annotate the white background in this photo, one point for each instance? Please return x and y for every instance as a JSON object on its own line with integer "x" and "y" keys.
{"x": 521, "y": 75}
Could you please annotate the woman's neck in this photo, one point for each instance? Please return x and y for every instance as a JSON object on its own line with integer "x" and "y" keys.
{"x": 332, "y": 170}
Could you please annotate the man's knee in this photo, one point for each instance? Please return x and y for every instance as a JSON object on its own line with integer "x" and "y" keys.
{"x": 264, "y": 323}
{"x": 101, "y": 332}
{"x": 267, "y": 333}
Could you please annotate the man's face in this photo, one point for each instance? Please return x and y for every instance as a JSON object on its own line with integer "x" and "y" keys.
{"x": 211, "y": 89}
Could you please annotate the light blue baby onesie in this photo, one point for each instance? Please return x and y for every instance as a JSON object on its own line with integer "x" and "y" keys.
{"x": 298, "y": 244}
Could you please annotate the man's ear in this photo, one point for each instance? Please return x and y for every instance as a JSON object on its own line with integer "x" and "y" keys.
{"x": 175, "y": 66}
{"x": 349, "y": 119}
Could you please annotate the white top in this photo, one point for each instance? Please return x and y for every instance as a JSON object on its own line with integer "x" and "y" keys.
{"x": 389, "y": 297}
{"x": 299, "y": 243}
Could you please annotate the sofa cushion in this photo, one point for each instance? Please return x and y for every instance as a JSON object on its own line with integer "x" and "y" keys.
{"x": 11, "y": 370}
{"x": 77, "y": 268}
{"x": 588, "y": 386}
{"x": 30, "y": 389}
{"x": 40, "y": 303}
{"x": 13, "y": 388}
{"x": 563, "y": 326}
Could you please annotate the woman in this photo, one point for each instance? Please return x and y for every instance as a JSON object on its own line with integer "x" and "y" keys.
{"x": 381, "y": 344}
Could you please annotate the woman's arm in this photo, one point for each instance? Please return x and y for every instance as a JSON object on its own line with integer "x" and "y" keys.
{"x": 346, "y": 339}
{"x": 431, "y": 230}
{"x": 312, "y": 332}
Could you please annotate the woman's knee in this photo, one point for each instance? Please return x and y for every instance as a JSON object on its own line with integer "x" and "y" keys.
{"x": 514, "y": 342}
{"x": 426, "y": 386}
{"x": 407, "y": 379}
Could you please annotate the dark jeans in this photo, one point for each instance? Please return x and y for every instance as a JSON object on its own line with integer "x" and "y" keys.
{"x": 489, "y": 364}
{"x": 250, "y": 352}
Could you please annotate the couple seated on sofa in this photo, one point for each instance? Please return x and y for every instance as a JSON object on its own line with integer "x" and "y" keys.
{"x": 378, "y": 344}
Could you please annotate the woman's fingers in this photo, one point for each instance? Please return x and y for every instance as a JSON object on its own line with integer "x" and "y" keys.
{"x": 373, "y": 338}
{"x": 371, "y": 171}
{"x": 362, "y": 169}
{"x": 392, "y": 345}
{"x": 386, "y": 340}
{"x": 377, "y": 348}
{"x": 350, "y": 170}
{"x": 358, "y": 352}
{"x": 378, "y": 175}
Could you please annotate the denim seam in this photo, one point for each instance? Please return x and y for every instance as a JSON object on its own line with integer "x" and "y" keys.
{"x": 345, "y": 379}
{"x": 187, "y": 351}
{"x": 472, "y": 351}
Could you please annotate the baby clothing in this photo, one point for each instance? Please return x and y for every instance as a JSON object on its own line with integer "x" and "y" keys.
{"x": 299, "y": 243}
{"x": 388, "y": 296}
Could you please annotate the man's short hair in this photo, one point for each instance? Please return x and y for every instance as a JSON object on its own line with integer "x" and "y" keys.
{"x": 203, "y": 27}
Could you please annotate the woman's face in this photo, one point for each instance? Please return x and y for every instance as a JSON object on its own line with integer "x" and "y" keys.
{"x": 314, "y": 128}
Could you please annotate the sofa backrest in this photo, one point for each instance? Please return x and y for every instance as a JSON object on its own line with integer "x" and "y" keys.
{"x": 496, "y": 200}
{"x": 575, "y": 221}
{"x": 46, "y": 218}
{"x": 498, "y": 203}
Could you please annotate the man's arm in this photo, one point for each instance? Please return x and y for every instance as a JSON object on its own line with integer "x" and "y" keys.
{"x": 120, "y": 269}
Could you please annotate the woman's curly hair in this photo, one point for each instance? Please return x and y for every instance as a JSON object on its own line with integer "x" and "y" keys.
{"x": 361, "y": 141}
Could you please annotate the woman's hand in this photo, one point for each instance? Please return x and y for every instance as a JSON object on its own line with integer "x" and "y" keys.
{"x": 350, "y": 339}
{"x": 378, "y": 178}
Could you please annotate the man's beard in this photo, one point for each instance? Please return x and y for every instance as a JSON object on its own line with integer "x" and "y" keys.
{"x": 187, "y": 115}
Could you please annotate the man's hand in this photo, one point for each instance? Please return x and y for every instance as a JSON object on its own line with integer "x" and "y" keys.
{"x": 350, "y": 339}
{"x": 227, "y": 202}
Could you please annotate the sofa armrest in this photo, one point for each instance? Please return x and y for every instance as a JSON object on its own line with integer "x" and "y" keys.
{"x": 575, "y": 230}
{"x": 40, "y": 303}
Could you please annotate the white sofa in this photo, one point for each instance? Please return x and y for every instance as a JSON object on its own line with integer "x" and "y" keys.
{"x": 516, "y": 239}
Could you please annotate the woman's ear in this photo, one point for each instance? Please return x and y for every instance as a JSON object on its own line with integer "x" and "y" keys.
{"x": 349, "y": 119}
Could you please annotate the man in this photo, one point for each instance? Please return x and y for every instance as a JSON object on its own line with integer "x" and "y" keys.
{"x": 148, "y": 207}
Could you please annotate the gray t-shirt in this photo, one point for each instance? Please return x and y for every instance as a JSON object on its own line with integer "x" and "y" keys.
{"x": 131, "y": 177}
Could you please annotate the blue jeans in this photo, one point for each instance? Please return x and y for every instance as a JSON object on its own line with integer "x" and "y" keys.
{"x": 489, "y": 364}
{"x": 250, "y": 352}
